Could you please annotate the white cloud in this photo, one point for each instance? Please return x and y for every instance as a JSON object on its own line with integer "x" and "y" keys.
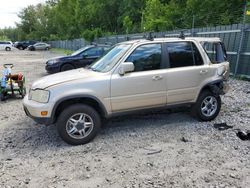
{"x": 10, "y": 8}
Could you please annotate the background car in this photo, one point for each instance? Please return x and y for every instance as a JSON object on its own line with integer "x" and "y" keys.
{"x": 39, "y": 46}
{"x": 21, "y": 45}
{"x": 6, "y": 45}
{"x": 81, "y": 58}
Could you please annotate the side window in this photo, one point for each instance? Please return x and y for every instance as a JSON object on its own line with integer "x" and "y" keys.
{"x": 183, "y": 54}
{"x": 93, "y": 52}
{"x": 1, "y": 42}
{"x": 146, "y": 57}
{"x": 215, "y": 51}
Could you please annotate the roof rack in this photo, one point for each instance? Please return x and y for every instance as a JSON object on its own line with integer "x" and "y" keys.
{"x": 93, "y": 43}
{"x": 150, "y": 36}
{"x": 182, "y": 34}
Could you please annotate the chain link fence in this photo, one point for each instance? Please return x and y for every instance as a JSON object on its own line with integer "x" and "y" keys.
{"x": 236, "y": 38}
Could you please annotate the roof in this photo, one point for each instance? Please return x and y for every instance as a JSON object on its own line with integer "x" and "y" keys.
{"x": 199, "y": 39}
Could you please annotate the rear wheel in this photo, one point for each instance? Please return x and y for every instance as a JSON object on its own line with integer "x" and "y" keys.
{"x": 47, "y": 49}
{"x": 78, "y": 124}
{"x": 67, "y": 67}
{"x": 7, "y": 49}
{"x": 20, "y": 48}
{"x": 207, "y": 106}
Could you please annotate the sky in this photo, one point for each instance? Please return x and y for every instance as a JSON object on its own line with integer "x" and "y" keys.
{"x": 10, "y": 8}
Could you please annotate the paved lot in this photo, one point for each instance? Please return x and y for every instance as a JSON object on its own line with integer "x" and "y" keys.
{"x": 133, "y": 151}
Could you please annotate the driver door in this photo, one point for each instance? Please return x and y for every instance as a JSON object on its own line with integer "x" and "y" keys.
{"x": 145, "y": 86}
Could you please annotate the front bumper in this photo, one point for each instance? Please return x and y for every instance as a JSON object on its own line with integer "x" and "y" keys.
{"x": 39, "y": 120}
{"x": 33, "y": 110}
{"x": 54, "y": 68}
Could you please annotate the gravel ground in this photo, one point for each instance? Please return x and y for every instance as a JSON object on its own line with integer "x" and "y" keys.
{"x": 160, "y": 149}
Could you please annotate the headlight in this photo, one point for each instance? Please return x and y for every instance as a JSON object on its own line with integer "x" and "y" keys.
{"x": 53, "y": 61}
{"x": 39, "y": 95}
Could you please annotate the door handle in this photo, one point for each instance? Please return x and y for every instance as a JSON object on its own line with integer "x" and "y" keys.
{"x": 157, "y": 77}
{"x": 203, "y": 71}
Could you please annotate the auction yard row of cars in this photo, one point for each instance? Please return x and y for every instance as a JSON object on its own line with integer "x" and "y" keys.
{"x": 22, "y": 45}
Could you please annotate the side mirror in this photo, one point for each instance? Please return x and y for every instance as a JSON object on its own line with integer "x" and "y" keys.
{"x": 126, "y": 67}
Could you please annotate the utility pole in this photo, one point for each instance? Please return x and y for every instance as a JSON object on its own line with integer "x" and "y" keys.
{"x": 241, "y": 39}
{"x": 193, "y": 25}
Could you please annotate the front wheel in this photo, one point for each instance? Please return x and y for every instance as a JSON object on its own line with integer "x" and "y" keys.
{"x": 67, "y": 67}
{"x": 78, "y": 124}
{"x": 207, "y": 106}
{"x": 7, "y": 49}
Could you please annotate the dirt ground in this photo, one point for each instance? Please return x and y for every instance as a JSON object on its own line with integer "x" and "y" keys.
{"x": 160, "y": 149}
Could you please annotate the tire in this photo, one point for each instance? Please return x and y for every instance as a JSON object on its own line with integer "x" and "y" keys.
{"x": 47, "y": 49}
{"x": 70, "y": 124}
{"x": 207, "y": 107}
{"x": 20, "y": 48}
{"x": 23, "y": 92}
{"x": 67, "y": 67}
{"x": 7, "y": 49}
{"x": 2, "y": 98}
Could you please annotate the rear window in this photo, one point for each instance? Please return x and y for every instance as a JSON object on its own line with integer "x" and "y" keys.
{"x": 215, "y": 51}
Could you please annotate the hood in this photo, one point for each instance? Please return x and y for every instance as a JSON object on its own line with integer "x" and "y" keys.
{"x": 62, "y": 58}
{"x": 63, "y": 77}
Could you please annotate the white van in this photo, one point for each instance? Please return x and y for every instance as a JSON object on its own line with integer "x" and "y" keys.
{"x": 6, "y": 45}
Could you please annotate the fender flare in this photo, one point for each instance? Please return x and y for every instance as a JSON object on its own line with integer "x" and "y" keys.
{"x": 215, "y": 86}
{"x": 103, "y": 109}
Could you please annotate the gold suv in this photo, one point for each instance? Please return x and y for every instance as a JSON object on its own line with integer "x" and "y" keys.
{"x": 132, "y": 76}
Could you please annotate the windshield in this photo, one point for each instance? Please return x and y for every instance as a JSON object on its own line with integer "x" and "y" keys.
{"x": 79, "y": 51}
{"x": 108, "y": 61}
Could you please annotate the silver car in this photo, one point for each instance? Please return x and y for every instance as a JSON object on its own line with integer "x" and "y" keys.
{"x": 39, "y": 46}
{"x": 132, "y": 76}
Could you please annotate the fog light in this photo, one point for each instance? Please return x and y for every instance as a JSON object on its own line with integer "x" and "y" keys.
{"x": 44, "y": 113}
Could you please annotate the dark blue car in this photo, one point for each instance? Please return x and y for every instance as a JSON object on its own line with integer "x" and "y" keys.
{"x": 80, "y": 58}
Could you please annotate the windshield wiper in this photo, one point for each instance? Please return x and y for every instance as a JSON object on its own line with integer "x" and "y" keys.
{"x": 93, "y": 69}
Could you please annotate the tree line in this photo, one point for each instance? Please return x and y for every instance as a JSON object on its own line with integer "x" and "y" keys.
{"x": 68, "y": 19}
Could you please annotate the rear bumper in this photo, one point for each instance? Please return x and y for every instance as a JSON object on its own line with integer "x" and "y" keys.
{"x": 226, "y": 87}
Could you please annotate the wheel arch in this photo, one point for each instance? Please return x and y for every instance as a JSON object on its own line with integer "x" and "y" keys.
{"x": 66, "y": 63}
{"x": 92, "y": 101}
{"x": 215, "y": 87}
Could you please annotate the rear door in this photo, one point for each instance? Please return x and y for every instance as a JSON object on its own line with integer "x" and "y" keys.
{"x": 186, "y": 71}
{"x": 38, "y": 46}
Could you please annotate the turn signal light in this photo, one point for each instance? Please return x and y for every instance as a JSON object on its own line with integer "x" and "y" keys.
{"x": 44, "y": 113}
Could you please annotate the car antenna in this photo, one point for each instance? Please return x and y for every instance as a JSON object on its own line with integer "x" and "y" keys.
{"x": 150, "y": 36}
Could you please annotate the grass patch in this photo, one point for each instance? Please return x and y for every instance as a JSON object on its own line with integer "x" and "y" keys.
{"x": 61, "y": 51}
{"x": 242, "y": 77}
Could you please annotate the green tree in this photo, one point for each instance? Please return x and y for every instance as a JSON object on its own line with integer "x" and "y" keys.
{"x": 127, "y": 24}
